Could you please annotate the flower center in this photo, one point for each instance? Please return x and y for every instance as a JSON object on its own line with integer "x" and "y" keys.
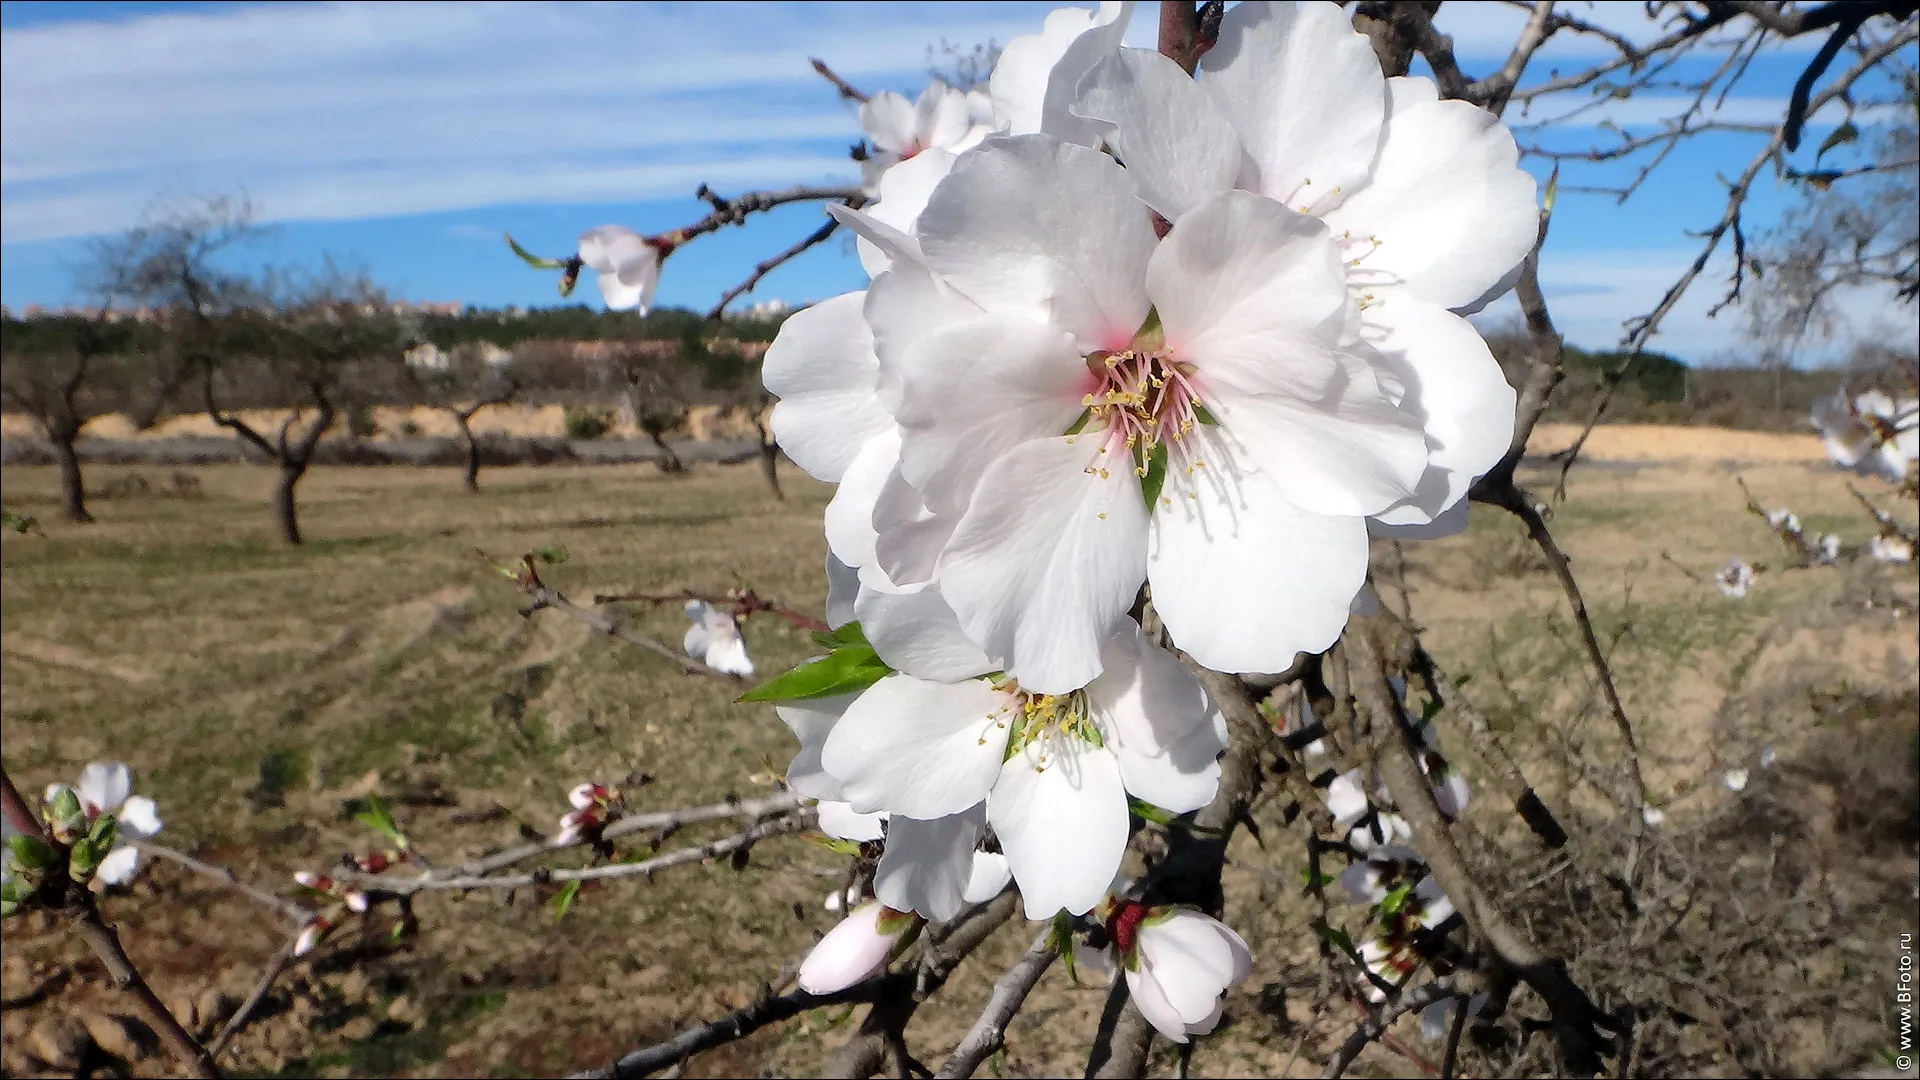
{"x": 1145, "y": 404}
{"x": 1056, "y": 721}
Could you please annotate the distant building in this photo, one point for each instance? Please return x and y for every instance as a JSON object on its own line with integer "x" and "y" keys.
{"x": 768, "y": 309}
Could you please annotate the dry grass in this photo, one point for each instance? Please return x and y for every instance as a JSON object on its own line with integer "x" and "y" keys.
{"x": 260, "y": 692}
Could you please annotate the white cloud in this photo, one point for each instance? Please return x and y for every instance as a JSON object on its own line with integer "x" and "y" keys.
{"x": 366, "y": 110}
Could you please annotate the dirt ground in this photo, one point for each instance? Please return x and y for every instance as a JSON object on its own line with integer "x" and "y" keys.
{"x": 262, "y": 693}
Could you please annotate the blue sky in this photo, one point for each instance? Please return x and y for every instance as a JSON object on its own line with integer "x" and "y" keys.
{"x": 405, "y": 138}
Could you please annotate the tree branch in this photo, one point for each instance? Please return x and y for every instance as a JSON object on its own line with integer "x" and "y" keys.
{"x": 293, "y": 912}
{"x": 765, "y": 267}
{"x": 106, "y": 945}
{"x": 1010, "y": 991}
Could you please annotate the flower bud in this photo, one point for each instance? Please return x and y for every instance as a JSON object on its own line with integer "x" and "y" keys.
{"x": 1182, "y": 963}
{"x": 855, "y": 948}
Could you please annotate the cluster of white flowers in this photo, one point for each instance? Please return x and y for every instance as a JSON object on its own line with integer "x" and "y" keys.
{"x": 714, "y": 639}
{"x": 1126, "y": 327}
{"x": 1872, "y": 434}
{"x": 106, "y": 788}
{"x": 1734, "y": 579}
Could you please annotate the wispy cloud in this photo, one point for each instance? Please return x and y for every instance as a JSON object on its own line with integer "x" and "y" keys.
{"x": 366, "y": 110}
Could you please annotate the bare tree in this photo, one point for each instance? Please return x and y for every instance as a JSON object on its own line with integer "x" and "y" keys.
{"x": 464, "y": 382}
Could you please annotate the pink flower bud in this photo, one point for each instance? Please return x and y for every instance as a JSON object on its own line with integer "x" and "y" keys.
{"x": 855, "y": 948}
{"x": 356, "y": 901}
{"x": 586, "y": 795}
{"x": 311, "y": 935}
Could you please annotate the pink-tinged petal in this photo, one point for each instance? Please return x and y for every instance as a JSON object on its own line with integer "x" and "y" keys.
{"x": 927, "y": 864}
{"x": 942, "y": 118}
{"x": 903, "y": 192}
{"x": 811, "y": 723}
{"x": 849, "y": 516}
{"x": 1243, "y": 579}
{"x": 918, "y": 748}
{"x": 850, "y": 952}
{"x": 839, "y": 820}
{"x": 729, "y": 654}
{"x": 988, "y": 878}
{"x": 1145, "y": 698}
{"x": 1454, "y": 387}
{"x": 583, "y": 796}
{"x": 1154, "y": 1006}
{"x": 697, "y": 640}
{"x": 1252, "y": 295}
{"x": 119, "y": 866}
{"x": 915, "y": 631}
{"x": 1176, "y": 146}
{"x": 104, "y": 785}
{"x": 975, "y": 390}
{"x": 1306, "y": 95}
{"x": 1018, "y": 87}
{"x": 1060, "y": 812}
{"x": 888, "y": 121}
{"x": 1047, "y": 560}
{"x": 1032, "y": 225}
{"x": 823, "y": 369}
{"x": 1451, "y": 209}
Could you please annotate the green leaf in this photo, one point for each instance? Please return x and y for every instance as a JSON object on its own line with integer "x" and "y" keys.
{"x": 33, "y": 852}
{"x": 550, "y": 554}
{"x": 84, "y": 859}
{"x": 1553, "y": 192}
{"x": 845, "y": 670}
{"x": 1206, "y": 418}
{"x": 850, "y": 634}
{"x": 1063, "y": 941}
{"x": 1080, "y": 424}
{"x": 564, "y": 902}
{"x": 1334, "y": 936}
{"x": 1840, "y": 136}
{"x": 533, "y": 260}
{"x": 1309, "y": 878}
{"x": 399, "y": 931}
{"x": 376, "y": 817}
{"x": 1146, "y": 811}
{"x": 1394, "y": 901}
{"x": 1156, "y": 477}
{"x": 66, "y": 813}
{"x": 11, "y": 520}
{"x": 837, "y": 845}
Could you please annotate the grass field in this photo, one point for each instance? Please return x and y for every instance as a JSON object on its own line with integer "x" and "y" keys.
{"x": 262, "y": 693}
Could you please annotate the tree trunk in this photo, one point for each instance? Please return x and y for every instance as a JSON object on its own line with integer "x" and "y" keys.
{"x": 283, "y": 505}
{"x": 473, "y": 454}
{"x": 70, "y": 480}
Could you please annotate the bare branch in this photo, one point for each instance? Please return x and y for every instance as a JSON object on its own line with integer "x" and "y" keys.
{"x": 293, "y": 912}
{"x": 846, "y": 88}
{"x": 105, "y": 944}
{"x": 1010, "y": 991}
{"x": 763, "y": 268}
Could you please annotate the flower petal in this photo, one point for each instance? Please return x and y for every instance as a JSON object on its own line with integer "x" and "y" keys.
{"x": 1063, "y": 82}
{"x": 887, "y": 119}
{"x": 104, "y": 785}
{"x": 848, "y": 953}
{"x": 989, "y": 877}
{"x": 1046, "y": 560}
{"x": 1305, "y": 93}
{"x": 1176, "y": 146}
{"x": 1018, "y": 87}
{"x": 119, "y": 866}
{"x": 1451, "y": 209}
{"x": 1060, "y": 812}
{"x": 903, "y": 192}
{"x": 849, "y": 516}
{"x": 976, "y": 389}
{"x": 1194, "y": 959}
{"x": 1457, "y": 390}
{"x": 811, "y": 722}
{"x": 1154, "y": 1006}
{"x": 843, "y": 590}
{"x": 823, "y": 369}
{"x": 1183, "y": 779}
{"x": 927, "y": 864}
{"x": 1146, "y": 699}
{"x": 839, "y": 819}
{"x": 915, "y": 631}
{"x": 1032, "y": 225}
{"x": 139, "y": 817}
{"x": 918, "y": 748}
{"x": 1243, "y": 579}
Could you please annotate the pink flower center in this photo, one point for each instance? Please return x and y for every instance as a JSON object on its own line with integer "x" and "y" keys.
{"x": 1142, "y": 399}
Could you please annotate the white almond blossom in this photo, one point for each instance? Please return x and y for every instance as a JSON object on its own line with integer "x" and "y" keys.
{"x": 1653, "y": 816}
{"x": 1871, "y": 434}
{"x": 1216, "y": 365}
{"x": 942, "y": 119}
{"x": 935, "y": 869}
{"x": 1736, "y": 779}
{"x": 714, "y": 639}
{"x": 107, "y": 788}
{"x": 1051, "y": 774}
{"x": 857, "y": 947}
{"x": 626, "y": 264}
{"x": 1179, "y": 964}
{"x": 1734, "y": 579}
{"x": 1424, "y": 198}
{"x": 1827, "y": 551}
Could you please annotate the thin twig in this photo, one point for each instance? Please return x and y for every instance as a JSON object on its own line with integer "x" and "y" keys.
{"x": 1010, "y": 991}
{"x": 294, "y": 913}
{"x": 1382, "y": 1016}
{"x": 767, "y": 266}
{"x": 744, "y": 604}
{"x": 847, "y": 89}
{"x": 281, "y": 961}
